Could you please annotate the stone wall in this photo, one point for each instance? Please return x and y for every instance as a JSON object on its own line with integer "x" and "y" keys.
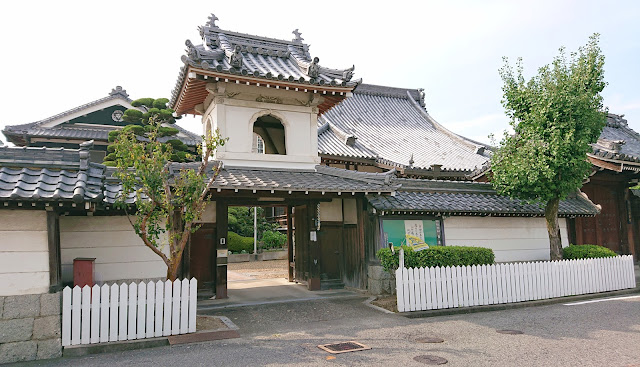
{"x": 30, "y": 327}
{"x": 381, "y": 281}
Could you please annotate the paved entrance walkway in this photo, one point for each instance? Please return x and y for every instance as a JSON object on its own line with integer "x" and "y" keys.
{"x": 264, "y": 282}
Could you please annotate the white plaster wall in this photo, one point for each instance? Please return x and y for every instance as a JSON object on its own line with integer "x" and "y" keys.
{"x": 235, "y": 117}
{"x": 119, "y": 252}
{"x": 511, "y": 239}
{"x": 331, "y": 211}
{"x": 24, "y": 252}
{"x": 350, "y": 211}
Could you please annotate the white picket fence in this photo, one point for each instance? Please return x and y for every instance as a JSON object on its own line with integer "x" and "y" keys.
{"x": 464, "y": 286}
{"x": 126, "y": 312}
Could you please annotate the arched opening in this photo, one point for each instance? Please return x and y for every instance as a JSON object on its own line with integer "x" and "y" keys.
{"x": 271, "y": 131}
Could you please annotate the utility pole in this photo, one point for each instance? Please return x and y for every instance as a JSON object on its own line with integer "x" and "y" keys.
{"x": 255, "y": 230}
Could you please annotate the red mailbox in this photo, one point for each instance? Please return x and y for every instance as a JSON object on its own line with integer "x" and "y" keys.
{"x": 83, "y": 271}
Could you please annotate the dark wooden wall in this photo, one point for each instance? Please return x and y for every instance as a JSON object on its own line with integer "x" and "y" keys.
{"x": 613, "y": 227}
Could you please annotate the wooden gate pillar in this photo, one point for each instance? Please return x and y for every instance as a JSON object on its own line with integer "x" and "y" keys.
{"x": 290, "y": 242}
{"x": 221, "y": 248}
{"x": 314, "y": 247}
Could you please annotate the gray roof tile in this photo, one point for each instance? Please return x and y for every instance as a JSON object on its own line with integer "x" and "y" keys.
{"x": 469, "y": 198}
{"x": 43, "y": 174}
{"x": 262, "y": 57}
{"x": 618, "y": 141}
{"x": 390, "y": 125}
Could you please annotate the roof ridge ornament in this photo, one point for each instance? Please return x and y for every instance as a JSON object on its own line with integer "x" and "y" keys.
{"x": 235, "y": 60}
{"x": 118, "y": 90}
{"x": 411, "y": 161}
{"x": 422, "y": 96}
{"x": 313, "y": 71}
{"x": 298, "y": 35}
{"x": 348, "y": 73}
{"x": 212, "y": 21}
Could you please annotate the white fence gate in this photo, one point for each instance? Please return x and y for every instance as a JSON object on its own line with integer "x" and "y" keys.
{"x": 126, "y": 312}
{"x": 462, "y": 286}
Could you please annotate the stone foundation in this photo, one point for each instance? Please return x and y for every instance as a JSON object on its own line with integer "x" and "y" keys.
{"x": 381, "y": 281}
{"x": 30, "y": 327}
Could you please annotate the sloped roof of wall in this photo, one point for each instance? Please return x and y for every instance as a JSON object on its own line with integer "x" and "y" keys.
{"x": 45, "y": 174}
{"x": 390, "y": 126}
{"x": 468, "y": 198}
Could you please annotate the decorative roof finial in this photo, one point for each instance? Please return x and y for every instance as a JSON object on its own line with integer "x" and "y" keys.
{"x": 212, "y": 21}
{"x": 411, "y": 161}
{"x": 314, "y": 69}
{"x": 348, "y": 74}
{"x": 422, "y": 95}
{"x": 235, "y": 60}
{"x": 298, "y": 35}
{"x": 118, "y": 90}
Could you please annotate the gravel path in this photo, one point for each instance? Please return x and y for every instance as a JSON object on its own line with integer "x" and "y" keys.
{"x": 259, "y": 270}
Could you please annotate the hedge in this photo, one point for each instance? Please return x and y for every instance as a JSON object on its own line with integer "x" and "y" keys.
{"x": 586, "y": 252}
{"x": 273, "y": 239}
{"x": 237, "y": 243}
{"x": 436, "y": 256}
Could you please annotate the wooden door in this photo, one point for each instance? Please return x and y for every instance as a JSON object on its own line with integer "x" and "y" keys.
{"x": 330, "y": 241}
{"x": 202, "y": 256}
{"x": 603, "y": 229}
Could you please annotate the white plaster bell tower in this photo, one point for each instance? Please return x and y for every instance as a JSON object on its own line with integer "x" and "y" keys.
{"x": 263, "y": 94}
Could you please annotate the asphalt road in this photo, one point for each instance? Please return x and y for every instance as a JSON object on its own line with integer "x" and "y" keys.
{"x": 603, "y": 333}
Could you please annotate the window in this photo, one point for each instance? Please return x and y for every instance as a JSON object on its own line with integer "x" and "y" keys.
{"x": 258, "y": 144}
{"x": 416, "y": 233}
{"x": 271, "y": 131}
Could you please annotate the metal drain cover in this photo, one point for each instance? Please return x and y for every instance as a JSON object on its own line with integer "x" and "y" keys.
{"x": 430, "y": 359}
{"x": 430, "y": 339}
{"x": 510, "y": 332}
{"x": 343, "y": 347}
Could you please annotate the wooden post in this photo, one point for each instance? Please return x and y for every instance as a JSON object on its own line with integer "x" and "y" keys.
{"x": 53, "y": 240}
{"x": 314, "y": 248}
{"x": 221, "y": 249}
{"x": 290, "y": 241}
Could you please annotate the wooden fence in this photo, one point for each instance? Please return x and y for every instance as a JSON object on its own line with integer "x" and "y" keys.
{"x": 464, "y": 286}
{"x": 126, "y": 312}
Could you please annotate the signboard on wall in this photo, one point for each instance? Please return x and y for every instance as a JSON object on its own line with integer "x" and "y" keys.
{"x": 418, "y": 234}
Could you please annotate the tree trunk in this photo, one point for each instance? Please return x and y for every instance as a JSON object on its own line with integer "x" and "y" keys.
{"x": 553, "y": 228}
{"x": 172, "y": 272}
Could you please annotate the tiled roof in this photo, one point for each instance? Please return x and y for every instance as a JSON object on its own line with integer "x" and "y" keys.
{"x": 468, "y": 198}
{"x": 243, "y": 54}
{"x": 391, "y": 126}
{"x": 45, "y": 174}
{"x": 618, "y": 141}
{"x": 84, "y": 132}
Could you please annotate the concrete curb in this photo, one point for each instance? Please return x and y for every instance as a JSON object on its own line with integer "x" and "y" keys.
{"x": 509, "y": 306}
{"x": 119, "y": 346}
{"x": 373, "y": 298}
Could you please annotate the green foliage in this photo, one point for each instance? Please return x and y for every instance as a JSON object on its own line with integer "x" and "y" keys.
{"x": 586, "y": 252}
{"x": 241, "y": 221}
{"x": 436, "y": 256}
{"x": 237, "y": 243}
{"x": 555, "y": 116}
{"x": 168, "y": 202}
{"x": 273, "y": 239}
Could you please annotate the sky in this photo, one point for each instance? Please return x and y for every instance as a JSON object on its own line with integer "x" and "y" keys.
{"x": 57, "y": 55}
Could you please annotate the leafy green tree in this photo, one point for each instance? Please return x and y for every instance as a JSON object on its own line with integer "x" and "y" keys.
{"x": 140, "y": 124}
{"x": 555, "y": 116}
{"x": 241, "y": 221}
{"x": 169, "y": 197}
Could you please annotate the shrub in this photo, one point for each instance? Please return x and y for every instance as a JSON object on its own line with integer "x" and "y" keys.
{"x": 273, "y": 239}
{"x": 586, "y": 252}
{"x": 237, "y": 243}
{"x": 436, "y": 256}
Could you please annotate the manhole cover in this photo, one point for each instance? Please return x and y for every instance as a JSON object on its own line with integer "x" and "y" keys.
{"x": 510, "y": 332}
{"x": 430, "y": 359}
{"x": 343, "y": 347}
{"x": 430, "y": 339}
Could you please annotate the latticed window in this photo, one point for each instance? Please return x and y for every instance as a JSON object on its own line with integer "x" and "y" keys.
{"x": 258, "y": 144}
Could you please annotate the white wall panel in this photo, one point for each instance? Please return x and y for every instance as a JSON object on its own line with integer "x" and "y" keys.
{"x": 511, "y": 239}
